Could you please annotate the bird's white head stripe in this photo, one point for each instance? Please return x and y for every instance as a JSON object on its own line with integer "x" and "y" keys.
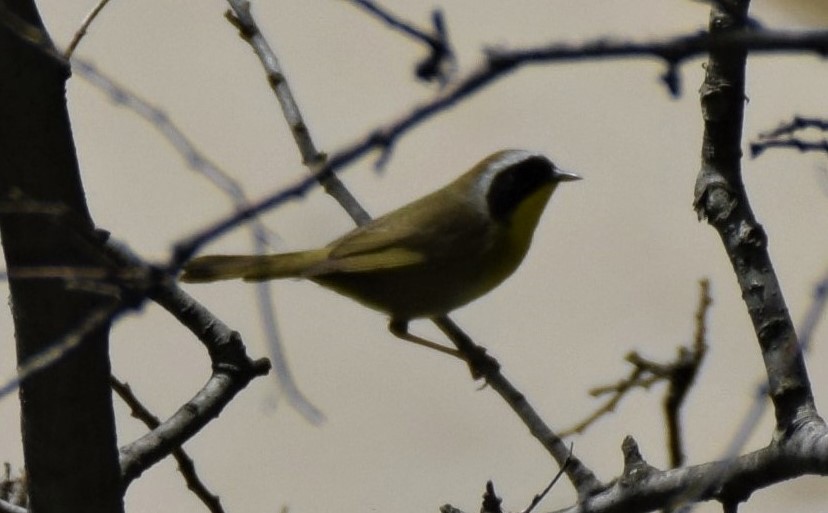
{"x": 504, "y": 160}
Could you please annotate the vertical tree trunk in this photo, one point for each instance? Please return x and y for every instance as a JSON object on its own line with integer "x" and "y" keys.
{"x": 67, "y": 419}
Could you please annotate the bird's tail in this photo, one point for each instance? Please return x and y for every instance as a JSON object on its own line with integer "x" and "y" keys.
{"x": 251, "y": 267}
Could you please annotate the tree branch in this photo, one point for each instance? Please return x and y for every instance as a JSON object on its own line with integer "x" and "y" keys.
{"x": 580, "y": 476}
{"x": 481, "y": 365}
{"x": 185, "y": 463}
{"x": 197, "y": 161}
{"x": 439, "y": 65}
{"x": 249, "y": 31}
{"x": 806, "y": 452}
{"x": 784, "y": 136}
{"x": 497, "y": 65}
{"x": 721, "y": 198}
{"x": 232, "y": 369}
{"x": 66, "y": 407}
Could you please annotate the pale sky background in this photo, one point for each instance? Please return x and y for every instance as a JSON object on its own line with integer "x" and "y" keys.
{"x": 614, "y": 266}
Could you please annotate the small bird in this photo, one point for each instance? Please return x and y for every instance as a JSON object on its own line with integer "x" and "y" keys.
{"x": 428, "y": 257}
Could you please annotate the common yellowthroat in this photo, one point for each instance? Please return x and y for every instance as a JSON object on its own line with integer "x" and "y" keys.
{"x": 428, "y": 257}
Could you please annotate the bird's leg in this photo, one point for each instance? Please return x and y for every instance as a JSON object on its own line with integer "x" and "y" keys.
{"x": 400, "y": 330}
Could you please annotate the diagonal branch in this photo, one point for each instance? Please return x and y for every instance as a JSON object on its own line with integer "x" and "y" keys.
{"x": 496, "y": 65}
{"x": 243, "y": 20}
{"x": 721, "y": 198}
{"x": 439, "y": 65}
{"x": 185, "y": 463}
{"x": 582, "y": 478}
{"x": 482, "y": 365}
{"x": 232, "y": 368}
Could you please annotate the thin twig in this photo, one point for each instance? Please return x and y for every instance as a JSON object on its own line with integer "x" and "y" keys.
{"x": 757, "y": 148}
{"x": 59, "y": 348}
{"x": 185, "y": 463}
{"x": 539, "y": 497}
{"x": 81, "y": 32}
{"x": 262, "y": 236}
{"x": 679, "y": 373}
{"x": 617, "y": 391}
{"x": 683, "y": 374}
{"x": 796, "y": 124}
{"x": 815, "y": 313}
{"x": 439, "y": 65}
{"x": 497, "y": 65}
{"x": 784, "y": 136}
{"x": 242, "y": 18}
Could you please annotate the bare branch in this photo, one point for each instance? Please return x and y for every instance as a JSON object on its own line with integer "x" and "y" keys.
{"x": 794, "y": 143}
{"x": 497, "y": 65}
{"x": 814, "y": 313}
{"x": 249, "y": 31}
{"x": 673, "y": 51}
{"x": 806, "y": 452}
{"x": 680, "y": 374}
{"x": 232, "y": 368}
{"x": 195, "y": 159}
{"x": 262, "y": 237}
{"x": 539, "y": 497}
{"x": 721, "y": 198}
{"x": 189, "y": 419}
{"x": 81, "y": 32}
{"x": 185, "y": 463}
{"x": 785, "y": 136}
{"x": 439, "y": 65}
{"x": 480, "y": 364}
{"x": 581, "y": 477}
{"x": 796, "y": 124}
{"x": 637, "y": 379}
{"x": 243, "y": 20}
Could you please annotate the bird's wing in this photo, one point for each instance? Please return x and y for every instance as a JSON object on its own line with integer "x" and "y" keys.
{"x": 385, "y": 243}
{"x": 399, "y": 239}
{"x": 386, "y": 258}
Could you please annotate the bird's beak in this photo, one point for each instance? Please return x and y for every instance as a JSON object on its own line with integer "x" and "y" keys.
{"x": 563, "y": 176}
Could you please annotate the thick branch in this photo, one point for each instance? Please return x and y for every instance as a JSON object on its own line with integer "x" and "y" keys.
{"x": 726, "y": 481}
{"x": 68, "y": 423}
{"x": 721, "y": 198}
